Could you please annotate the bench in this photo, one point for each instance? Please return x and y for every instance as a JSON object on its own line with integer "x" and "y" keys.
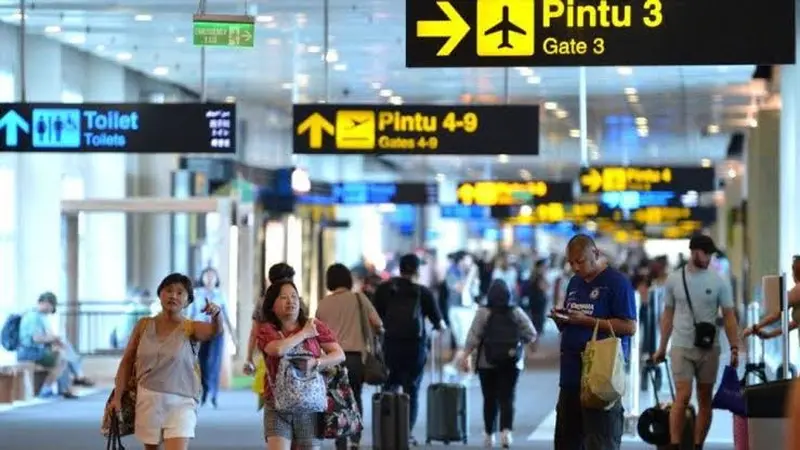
{"x": 21, "y": 381}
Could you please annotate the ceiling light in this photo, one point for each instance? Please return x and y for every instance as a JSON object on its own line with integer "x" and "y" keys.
{"x": 440, "y": 177}
{"x": 332, "y": 56}
{"x": 633, "y": 99}
{"x": 575, "y": 133}
{"x": 396, "y": 100}
{"x": 340, "y": 67}
{"x": 77, "y": 39}
{"x": 301, "y": 19}
{"x": 643, "y": 131}
{"x": 301, "y": 79}
{"x": 143, "y": 17}
{"x": 17, "y": 15}
{"x": 534, "y": 80}
{"x": 525, "y": 71}
{"x": 705, "y": 162}
{"x": 161, "y": 71}
{"x": 753, "y": 123}
{"x": 502, "y": 159}
{"x": 641, "y": 121}
{"x": 273, "y": 41}
{"x": 52, "y": 29}
{"x": 180, "y": 39}
{"x": 385, "y": 93}
{"x": 561, "y": 114}
{"x": 525, "y": 174}
{"x": 731, "y": 173}
{"x": 124, "y": 56}
{"x": 264, "y": 19}
{"x": 230, "y": 99}
{"x": 713, "y": 129}
{"x": 287, "y": 86}
{"x": 550, "y": 105}
{"x": 624, "y": 70}
{"x": 594, "y": 156}
{"x": 313, "y": 49}
{"x": 630, "y": 91}
{"x": 100, "y": 48}
{"x": 375, "y": 85}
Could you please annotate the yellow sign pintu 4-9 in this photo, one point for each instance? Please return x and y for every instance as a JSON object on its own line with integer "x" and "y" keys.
{"x": 355, "y": 130}
{"x": 505, "y": 28}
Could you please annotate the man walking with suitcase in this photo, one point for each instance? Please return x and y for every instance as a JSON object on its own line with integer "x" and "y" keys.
{"x": 692, "y": 298}
{"x": 403, "y": 306}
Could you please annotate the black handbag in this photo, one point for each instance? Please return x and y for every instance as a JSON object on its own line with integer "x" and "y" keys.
{"x": 114, "y": 438}
{"x": 704, "y": 332}
{"x": 375, "y": 371}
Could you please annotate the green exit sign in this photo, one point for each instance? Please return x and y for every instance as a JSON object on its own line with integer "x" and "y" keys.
{"x": 223, "y": 30}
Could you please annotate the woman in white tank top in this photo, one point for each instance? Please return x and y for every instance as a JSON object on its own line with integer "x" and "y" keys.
{"x": 162, "y": 356}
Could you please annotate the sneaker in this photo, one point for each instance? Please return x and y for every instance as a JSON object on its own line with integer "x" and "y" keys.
{"x": 506, "y": 439}
{"x": 488, "y": 440}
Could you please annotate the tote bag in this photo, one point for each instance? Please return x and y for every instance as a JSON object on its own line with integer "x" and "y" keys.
{"x": 603, "y": 371}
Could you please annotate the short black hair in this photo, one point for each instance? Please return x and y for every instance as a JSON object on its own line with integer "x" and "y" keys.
{"x": 581, "y": 241}
{"x": 177, "y": 278}
{"x": 409, "y": 264}
{"x": 280, "y": 271}
{"x": 338, "y": 276}
{"x": 273, "y": 291}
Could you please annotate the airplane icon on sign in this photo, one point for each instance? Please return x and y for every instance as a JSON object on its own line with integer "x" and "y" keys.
{"x": 506, "y": 27}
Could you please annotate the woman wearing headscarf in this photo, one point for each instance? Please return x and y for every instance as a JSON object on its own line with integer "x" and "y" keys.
{"x": 287, "y": 330}
{"x": 496, "y": 337}
{"x": 211, "y": 352}
{"x": 162, "y": 353}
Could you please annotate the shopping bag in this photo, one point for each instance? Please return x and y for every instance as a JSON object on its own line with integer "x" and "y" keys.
{"x": 729, "y": 394}
{"x": 603, "y": 371}
{"x": 258, "y": 381}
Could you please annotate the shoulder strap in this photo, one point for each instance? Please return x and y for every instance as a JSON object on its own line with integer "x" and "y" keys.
{"x": 365, "y": 333}
{"x": 688, "y": 297}
{"x": 188, "y": 331}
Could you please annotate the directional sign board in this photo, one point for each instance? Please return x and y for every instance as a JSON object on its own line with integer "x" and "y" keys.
{"x": 123, "y": 128}
{"x": 507, "y": 193}
{"x": 223, "y": 31}
{"x": 364, "y": 193}
{"x": 416, "y": 129}
{"x": 620, "y": 179}
{"x": 526, "y": 33}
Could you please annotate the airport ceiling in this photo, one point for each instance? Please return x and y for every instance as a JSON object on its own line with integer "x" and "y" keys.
{"x": 637, "y": 115}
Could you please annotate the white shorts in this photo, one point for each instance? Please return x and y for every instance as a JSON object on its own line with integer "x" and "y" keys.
{"x": 164, "y": 416}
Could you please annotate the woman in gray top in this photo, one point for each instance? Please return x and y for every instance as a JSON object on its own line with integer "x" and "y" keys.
{"x": 161, "y": 357}
{"x": 497, "y": 335}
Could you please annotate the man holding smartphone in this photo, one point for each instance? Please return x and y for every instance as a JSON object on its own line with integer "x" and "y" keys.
{"x": 595, "y": 292}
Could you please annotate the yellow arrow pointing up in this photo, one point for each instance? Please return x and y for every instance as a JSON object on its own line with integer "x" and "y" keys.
{"x": 592, "y": 180}
{"x": 455, "y": 28}
{"x": 315, "y": 125}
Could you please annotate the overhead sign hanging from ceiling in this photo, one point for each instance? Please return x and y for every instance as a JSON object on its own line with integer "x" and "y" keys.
{"x": 620, "y": 179}
{"x": 416, "y": 130}
{"x": 504, "y": 33}
{"x": 118, "y": 128}
{"x": 508, "y": 193}
{"x": 223, "y": 30}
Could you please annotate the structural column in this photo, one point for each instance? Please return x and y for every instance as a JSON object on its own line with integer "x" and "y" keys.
{"x": 40, "y": 250}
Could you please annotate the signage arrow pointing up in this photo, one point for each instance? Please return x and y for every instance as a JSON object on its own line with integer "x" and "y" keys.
{"x": 13, "y": 123}
{"x": 592, "y": 180}
{"x": 315, "y": 125}
{"x": 455, "y": 28}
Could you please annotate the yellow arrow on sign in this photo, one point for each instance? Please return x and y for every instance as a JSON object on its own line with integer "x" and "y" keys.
{"x": 315, "y": 125}
{"x": 592, "y": 180}
{"x": 455, "y": 28}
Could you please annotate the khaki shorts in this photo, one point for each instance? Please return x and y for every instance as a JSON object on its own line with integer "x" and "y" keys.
{"x": 694, "y": 363}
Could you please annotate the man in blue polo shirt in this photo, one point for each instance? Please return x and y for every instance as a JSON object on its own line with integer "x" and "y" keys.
{"x": 595, "y": 292}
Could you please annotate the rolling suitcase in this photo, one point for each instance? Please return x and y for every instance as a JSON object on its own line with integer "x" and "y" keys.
{"x": 390, "y": 421}
{"x": 446, "y": 408}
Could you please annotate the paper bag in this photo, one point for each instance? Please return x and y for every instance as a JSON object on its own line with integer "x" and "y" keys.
{"x": 603, "y": 371}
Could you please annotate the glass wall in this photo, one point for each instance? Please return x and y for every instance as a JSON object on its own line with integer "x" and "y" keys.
{"x": 8, "y": 221}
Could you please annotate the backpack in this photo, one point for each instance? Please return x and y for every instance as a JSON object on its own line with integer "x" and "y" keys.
{"x": 501, "y": 344}
{"x": 9, "y": 336}
{"x": 404, "y": 314}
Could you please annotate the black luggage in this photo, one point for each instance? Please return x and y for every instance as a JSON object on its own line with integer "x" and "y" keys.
{"x": 447, "y": 413}
{"x": 390, "y": 421}
{"x": 653, "y": 426}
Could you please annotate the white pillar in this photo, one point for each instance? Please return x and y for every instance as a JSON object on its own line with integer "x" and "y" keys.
{"x": 39, "y": 187}
{"x": 451, "y": 234}
{"x": 104, "y": 174}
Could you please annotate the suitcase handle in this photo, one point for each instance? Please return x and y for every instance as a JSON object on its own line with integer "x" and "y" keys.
{"x": 652, "y": 366}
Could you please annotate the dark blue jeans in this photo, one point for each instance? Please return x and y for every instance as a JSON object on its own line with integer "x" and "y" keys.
{"x": 579, "y": 428}
{"x": 406, "y": 363}
{"x": 210, "y": 360}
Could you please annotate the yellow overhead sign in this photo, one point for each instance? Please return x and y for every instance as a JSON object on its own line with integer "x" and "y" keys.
{"x": 505, "y": 28}
{"x": 616, "y": 179}
{"x": 555, "y": 213}
{"x": 400, "y": 129}
{"x": 499, "y": 193}
{"x": 455, "y": 28}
